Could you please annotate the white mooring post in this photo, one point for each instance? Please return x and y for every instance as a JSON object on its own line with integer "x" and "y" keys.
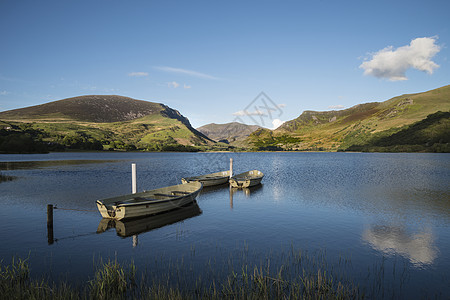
{"x": 231, "y": 167}
{"x": 133, "y": 179}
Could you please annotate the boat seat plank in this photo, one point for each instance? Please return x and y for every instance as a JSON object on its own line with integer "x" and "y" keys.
{"x": 164, "y": 195}
{"x": 180, "y": 192}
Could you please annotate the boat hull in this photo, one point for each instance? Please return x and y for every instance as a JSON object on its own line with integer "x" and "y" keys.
{"x": 247, "y": 179}
{"x": 130, "y": 206}
{"x": 210, "y": 179}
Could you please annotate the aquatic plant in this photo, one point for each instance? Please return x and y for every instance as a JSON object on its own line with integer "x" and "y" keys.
{"x": 6, "y": 177}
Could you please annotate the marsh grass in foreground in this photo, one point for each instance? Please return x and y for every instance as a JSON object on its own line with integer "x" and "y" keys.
{"x": 239, "y": 274}
{"x": 306, "y": 277}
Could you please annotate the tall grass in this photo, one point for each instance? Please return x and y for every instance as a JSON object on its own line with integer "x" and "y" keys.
{"x": 302, "y": 277}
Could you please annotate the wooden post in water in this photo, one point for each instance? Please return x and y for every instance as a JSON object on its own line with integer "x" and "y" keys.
{"x": 231, "y": 198}
{"x": 50, "y": 224}
{"x": 231, "y": 167}
{"x": 134, "y": 190}
{"x": 133, "y": 179}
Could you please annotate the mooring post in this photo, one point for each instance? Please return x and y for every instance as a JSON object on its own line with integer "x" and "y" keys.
{"x": 133, "y": 179}
{"x": 231, "y": 198}
{"x": 231, "y": 167}
{"x": 50, "y": 224}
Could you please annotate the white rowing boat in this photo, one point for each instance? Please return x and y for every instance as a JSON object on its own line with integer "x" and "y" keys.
{"x": 246, "y": 179}
{"x": 209, "y": 179}
{"x": 149, "y": 202}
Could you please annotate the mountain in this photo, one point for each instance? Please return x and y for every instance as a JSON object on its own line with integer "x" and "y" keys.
{"x": 431, "y": 134}
{"x": 104, "y": 121}
{"x": 355, "y": 126}
{"x": 229, "y": 132}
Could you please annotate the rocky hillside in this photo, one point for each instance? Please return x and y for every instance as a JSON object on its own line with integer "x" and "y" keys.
{"x": 92, "y": 108}
{"x": 356, "y": 126}
{"x": 229, "y": 132}
{"x": 102, "y": 122}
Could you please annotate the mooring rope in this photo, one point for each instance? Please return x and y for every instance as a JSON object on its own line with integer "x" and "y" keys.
{"x": 55, "y": 207}
{"x": 75, "y": 236}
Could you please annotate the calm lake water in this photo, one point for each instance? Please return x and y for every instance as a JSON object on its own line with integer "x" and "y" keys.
{"x": 386, "y": 215}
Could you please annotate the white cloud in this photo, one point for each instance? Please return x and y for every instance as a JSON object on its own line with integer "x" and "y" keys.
{"x": 186, "y": 86}
{"x": 186, "y": 72}
{"x": 281, "y": 105}
{"x": 392, "y": 63}
{"x": 4, "y": 93}
{"x": 336, "y": 106}
{"x": 138, "y": 74}
{"x": 249, "y": 113}
{"x": 173, "y": 84}
{"x": 277, "y": 123}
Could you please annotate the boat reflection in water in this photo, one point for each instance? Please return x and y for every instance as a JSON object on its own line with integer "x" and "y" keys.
{"x": 132, "y": 227}
{"x": 247, "y": 192}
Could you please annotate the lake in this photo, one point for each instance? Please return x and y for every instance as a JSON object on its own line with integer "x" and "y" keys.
{"x": 386, "y": 215}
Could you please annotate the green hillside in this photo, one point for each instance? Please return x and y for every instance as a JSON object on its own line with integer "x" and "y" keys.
{"x": 431, "y": 134}
{"x": 412, "y": 122}
{"x": 340, "y": 130}
{"x": 96, "y": 123}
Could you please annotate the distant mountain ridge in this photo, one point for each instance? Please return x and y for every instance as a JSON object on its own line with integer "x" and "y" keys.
{"x": 117, "y": 122}
{"x": 229, "y": 132}
{"x": 401, "y": 110}
{"x": 358, "y": 125}
{"x": 410, "y": 122}
{"x": 94, "y": 108}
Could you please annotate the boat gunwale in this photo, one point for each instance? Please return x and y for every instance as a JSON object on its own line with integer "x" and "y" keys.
{"x": 215, "y": 176}
{"x": 200, "y": 178}
{"x": 145, "y": 201}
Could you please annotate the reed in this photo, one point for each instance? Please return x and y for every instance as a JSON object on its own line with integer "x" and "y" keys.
{"x": 302, "y": 277}
{"x": 6, "y": 177}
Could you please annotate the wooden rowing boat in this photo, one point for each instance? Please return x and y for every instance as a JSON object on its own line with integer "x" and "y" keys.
{"x": 209, "y": 179}
{"x": 125, "y": 228}
{"x": 246, "y": 179}
{"x": 149, "y": 202}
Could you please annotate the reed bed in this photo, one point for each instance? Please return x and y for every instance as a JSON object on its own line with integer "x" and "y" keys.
{"x": 6, "y": 177}
{"x": 240, "y": 274}
{"x": 301, "y": 276}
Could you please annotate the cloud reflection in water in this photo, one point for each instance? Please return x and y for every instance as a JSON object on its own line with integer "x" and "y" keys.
{"x": 417, "y": 247}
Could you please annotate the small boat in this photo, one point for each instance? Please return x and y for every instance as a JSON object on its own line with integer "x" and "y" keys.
{"x": 126, "y": 228}
{"x": 149, "y": 202}
{"x": 246, "y": 179}
{"x": 209, "y": 179}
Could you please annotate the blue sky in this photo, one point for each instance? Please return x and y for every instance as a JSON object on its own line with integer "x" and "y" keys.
{"x": 211, "y": 59}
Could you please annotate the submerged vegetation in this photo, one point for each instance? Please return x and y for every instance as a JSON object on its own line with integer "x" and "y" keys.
{"x": 6, "y": 177}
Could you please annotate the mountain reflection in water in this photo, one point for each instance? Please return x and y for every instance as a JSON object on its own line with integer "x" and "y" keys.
{"x": 417, "y": 247}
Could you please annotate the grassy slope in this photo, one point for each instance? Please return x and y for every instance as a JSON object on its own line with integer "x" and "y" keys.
{"x": 139, "y": 123}
{"x": 335, "y": 130}
{"x": 431, "y": 134}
